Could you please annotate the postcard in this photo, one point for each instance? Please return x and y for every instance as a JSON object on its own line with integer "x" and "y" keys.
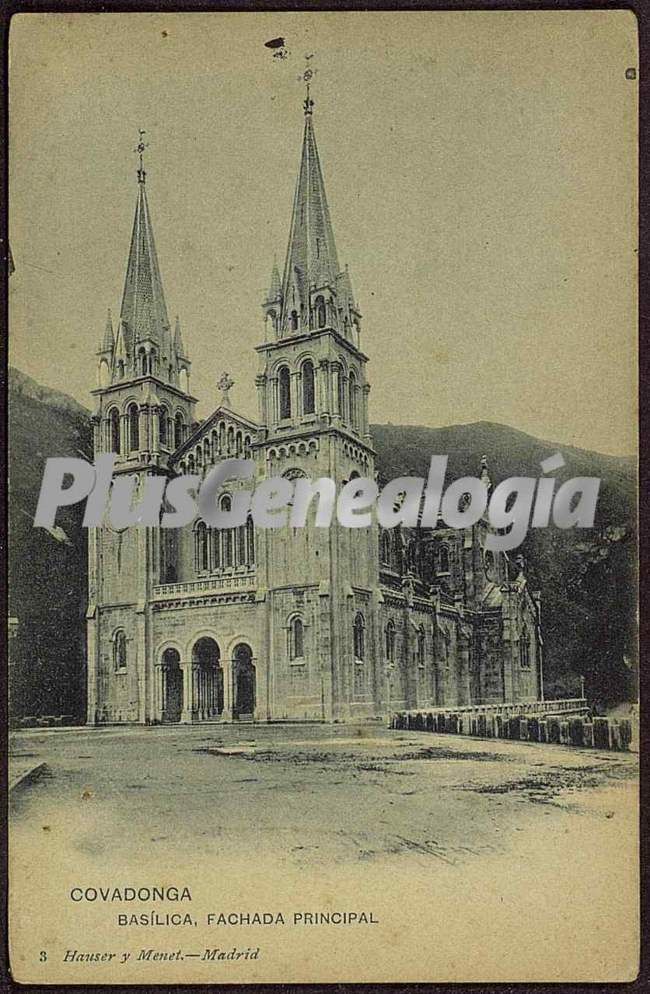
{"x": 323, "y": 657}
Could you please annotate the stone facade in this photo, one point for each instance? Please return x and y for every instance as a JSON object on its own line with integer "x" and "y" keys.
{"x": 320, "y": 624}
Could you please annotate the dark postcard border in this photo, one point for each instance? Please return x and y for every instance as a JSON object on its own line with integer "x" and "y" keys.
{"x": 641, "y": 10}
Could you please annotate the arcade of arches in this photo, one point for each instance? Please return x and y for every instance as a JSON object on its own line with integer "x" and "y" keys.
{"x": 201, "y": 688}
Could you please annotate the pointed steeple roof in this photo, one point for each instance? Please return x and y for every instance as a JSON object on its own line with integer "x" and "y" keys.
{"x": 144, "y": 313}
{"x": 311, "y": 256}
{"x": 108, "y": 341}
{"x": 179, "y": 347}
{"x": 275, "y": 288}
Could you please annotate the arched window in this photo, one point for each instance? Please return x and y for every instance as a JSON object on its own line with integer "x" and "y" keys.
{"x": 199, "y": 459}
{"x": 120, "y": 369}
{"x": 443, "y": 559}
{"x": 398, "y": 550}
{"x": 134, "y": 427}
{"x": 321, "y": 312}
{"x": 421, "y": 644}
{"x": 284, "y": 392}
{"x": 247, "y": 447}
{"x": 293, "y": 321}
{"x": 239, "y": 444}
{"x": 162, "y": 424}
{"x": 178, "y": 429}
{"x": 119, "y": 650}
{"x": 390, "y": 642}
{"x": 384, "y": 547}
{"x": 222, "y": 438}
{"x": 296, "y": 639}
{"x": 153, "y": 361}
{"x": 240, "y": 533}
{"x": 250, "y": 541}
{"x": 308, "y": 397}
{"x": 206, "y": 452}
{"x": 231, "y": 440}
{"x": 201, "y": 547}
{"x": 524, "y": 650}
{"x": 227, "y": 551}
{"x": 215, "y": 548}
{"x": 339, "y": 393}
{"x": 353, "y": 399}
{"x": 359, "y": 637}
{"x": 190, "y": 464}
{"x": 142, "y": 362}
{"x": 114, "y": 428}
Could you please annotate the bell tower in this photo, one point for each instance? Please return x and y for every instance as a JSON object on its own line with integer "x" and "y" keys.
{"x": 313, "y": 413}
{"x": 143, "y": 412}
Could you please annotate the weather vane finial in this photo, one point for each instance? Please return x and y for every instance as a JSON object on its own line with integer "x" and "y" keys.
{"x": 140, "y": 147}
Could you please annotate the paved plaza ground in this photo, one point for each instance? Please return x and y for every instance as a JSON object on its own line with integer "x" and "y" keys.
{"x": 526, "y": 824}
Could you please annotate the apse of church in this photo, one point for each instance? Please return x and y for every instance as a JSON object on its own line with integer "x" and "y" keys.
{"x": 324, "y": 624}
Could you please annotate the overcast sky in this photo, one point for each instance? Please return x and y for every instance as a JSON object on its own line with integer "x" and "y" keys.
{"x": 480, "y": 170}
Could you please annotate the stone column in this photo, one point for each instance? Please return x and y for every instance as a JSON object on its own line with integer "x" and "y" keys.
{"x": 143, "y": 424}
{"x": 260, "y": 383}
{"x": 227, "y": 688}
{"x": 274, "y": 412}
{"x": 187, "y": 715}
{"x": 154, "y": 421}
{"x": 294, "y": 384}
{"x": 324, "y": 406}
{"x": 363, "y": 421}
{"x": 125, "y": 442}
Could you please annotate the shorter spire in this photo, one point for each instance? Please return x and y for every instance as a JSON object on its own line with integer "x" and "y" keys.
{"x": 485, "y": 475}
{"x": 108, "y": 342}
{"x": 275, "y": 289}
{"x": 179, "y": 347}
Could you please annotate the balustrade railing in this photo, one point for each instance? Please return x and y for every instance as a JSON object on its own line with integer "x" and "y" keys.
{"x": 209, "y": 585}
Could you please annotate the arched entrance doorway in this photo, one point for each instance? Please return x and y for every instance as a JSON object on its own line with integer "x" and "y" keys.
{"x": 243, "y": 681}
{"x": 172, "y": 683}
{"x": 207, "y": 678}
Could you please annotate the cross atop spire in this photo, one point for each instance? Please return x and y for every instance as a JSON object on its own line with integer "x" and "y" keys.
{"x": 308, "y": 103}
{"x": 140, "y": 147}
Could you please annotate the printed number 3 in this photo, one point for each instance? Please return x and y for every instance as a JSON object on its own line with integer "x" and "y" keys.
{"x": 43, "y": 956}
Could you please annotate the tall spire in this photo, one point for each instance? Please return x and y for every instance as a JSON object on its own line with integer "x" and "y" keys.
{"x": 311, "y": 261}
{"x": 144, "y": 313}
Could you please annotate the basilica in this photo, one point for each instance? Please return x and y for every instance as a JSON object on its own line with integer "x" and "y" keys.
{"x": 285, "y": 624}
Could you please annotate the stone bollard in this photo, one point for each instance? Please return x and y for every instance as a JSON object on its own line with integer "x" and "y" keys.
{"x": 625, "y": 733}
{"x": 543, "y": 730}
{"x": 513, "y": 727}
{"x": 588, "y": 734}
{"x": 601, "y": 733}
{"x": 523, "y": 729}
{"x": 575, "y": 731}
{"x": 564, "y": 733}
